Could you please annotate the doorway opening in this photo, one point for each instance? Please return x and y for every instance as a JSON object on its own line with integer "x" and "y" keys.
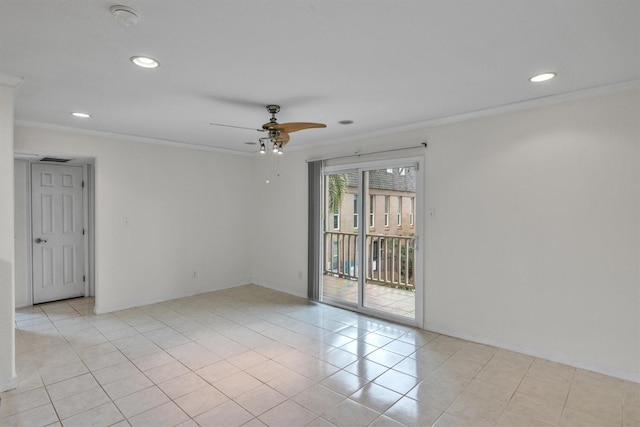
{"x": 57, "y": 262}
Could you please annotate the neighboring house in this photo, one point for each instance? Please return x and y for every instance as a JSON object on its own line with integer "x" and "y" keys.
{"x": 389, "y": 218}
{"x": 390, "y": 208}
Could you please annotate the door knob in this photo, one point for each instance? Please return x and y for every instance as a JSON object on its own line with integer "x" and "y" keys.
{"x": 39, "y": 240}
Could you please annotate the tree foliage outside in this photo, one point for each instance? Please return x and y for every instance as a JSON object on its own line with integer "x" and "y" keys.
{"x": 336, "y": 191}
{"x": 401, "y": 257}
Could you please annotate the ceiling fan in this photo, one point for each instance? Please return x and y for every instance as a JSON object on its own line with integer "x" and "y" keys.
{"x": 278, "y": 133}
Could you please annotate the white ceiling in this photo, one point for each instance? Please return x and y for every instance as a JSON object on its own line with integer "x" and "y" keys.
{"x": 385, "y": 64}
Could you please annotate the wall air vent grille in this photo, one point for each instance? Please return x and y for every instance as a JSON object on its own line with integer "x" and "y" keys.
{"x": 54, "y": 159}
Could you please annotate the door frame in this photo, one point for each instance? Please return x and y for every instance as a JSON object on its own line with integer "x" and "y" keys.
{"x": 420, "y": 234}
{"x": 88, "y": 223}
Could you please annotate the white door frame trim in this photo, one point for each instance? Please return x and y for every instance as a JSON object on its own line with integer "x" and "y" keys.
{"x": 88, "y": 223}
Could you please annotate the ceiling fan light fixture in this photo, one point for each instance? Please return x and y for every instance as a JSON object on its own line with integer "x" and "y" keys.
{"x": 277, "y": 133}
{"x": 145, "y": 62}
{"x": 542, "y": 77}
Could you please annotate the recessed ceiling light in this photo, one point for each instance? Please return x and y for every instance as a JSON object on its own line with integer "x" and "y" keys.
{"x": 543, "y": 77}
{"x": 346, "y": 122}
{"x": 145, "y": 62}
{"x": 81, "y": 115}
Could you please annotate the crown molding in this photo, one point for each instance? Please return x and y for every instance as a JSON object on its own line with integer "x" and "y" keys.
{"x": 493, "y": 111}
{"x": 127, "y": 137}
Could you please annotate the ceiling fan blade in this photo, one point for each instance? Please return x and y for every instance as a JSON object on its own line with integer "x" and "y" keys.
{"x": 237, "y": 127}
{"x": 283, "y": 138}
{"x": 296, "y": 126}
{"x": 292, "y": 127}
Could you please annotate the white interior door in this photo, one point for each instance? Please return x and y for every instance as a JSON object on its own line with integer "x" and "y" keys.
{"x": 57, "y": 232}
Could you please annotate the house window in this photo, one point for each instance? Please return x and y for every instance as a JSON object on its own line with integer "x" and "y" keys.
{"x": 399, "y": 211}
{"x": 411, "y": 205}
{"x": 372, "y": 207}
{"x": 336, "y": 219}
{"x": 355, "y": 211}
{"x": 387, "y": 200}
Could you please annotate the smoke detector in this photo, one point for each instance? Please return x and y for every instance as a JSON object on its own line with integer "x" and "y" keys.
{"x": 125, "y": 15}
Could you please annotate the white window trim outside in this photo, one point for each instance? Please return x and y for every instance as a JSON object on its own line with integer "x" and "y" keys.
{"x": 372, "y": 209}
{"x": 355, "y": 211}
{"x": 411, "y": 209}
{"x": 387, "y": 202}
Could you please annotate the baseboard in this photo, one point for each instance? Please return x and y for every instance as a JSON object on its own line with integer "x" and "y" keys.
{"x": 10, "y": 385}
{"x": 541, "y": 354}
{"x": 102, "y": 309}
{"x": 281, "y": 289}
{"x": 23, "y": 304}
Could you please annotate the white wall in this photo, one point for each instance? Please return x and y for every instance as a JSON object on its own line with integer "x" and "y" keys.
{"x": 161, "y": 213}
{"x": 7, "y": 310}
{"x": 280, "y": 225}
{"x": 535, "y": 241}
{"x": 22, "y": 244}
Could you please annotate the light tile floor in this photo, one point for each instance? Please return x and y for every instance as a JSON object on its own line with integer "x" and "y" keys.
{"x": 251, "y": 357}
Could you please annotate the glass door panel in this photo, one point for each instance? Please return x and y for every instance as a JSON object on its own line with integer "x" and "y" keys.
{"x": 340, "y": 244}
{"x": 389, "y": 283}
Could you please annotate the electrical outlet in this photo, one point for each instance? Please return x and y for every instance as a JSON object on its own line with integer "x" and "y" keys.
{"x": 194, "y": 275}
{"x": 300, "y": 274}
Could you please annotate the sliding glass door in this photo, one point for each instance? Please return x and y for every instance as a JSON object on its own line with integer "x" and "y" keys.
{"x": 369, "y": 260}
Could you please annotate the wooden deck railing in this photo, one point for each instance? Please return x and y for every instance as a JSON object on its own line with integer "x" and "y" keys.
{"x": 390, "y": 259}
